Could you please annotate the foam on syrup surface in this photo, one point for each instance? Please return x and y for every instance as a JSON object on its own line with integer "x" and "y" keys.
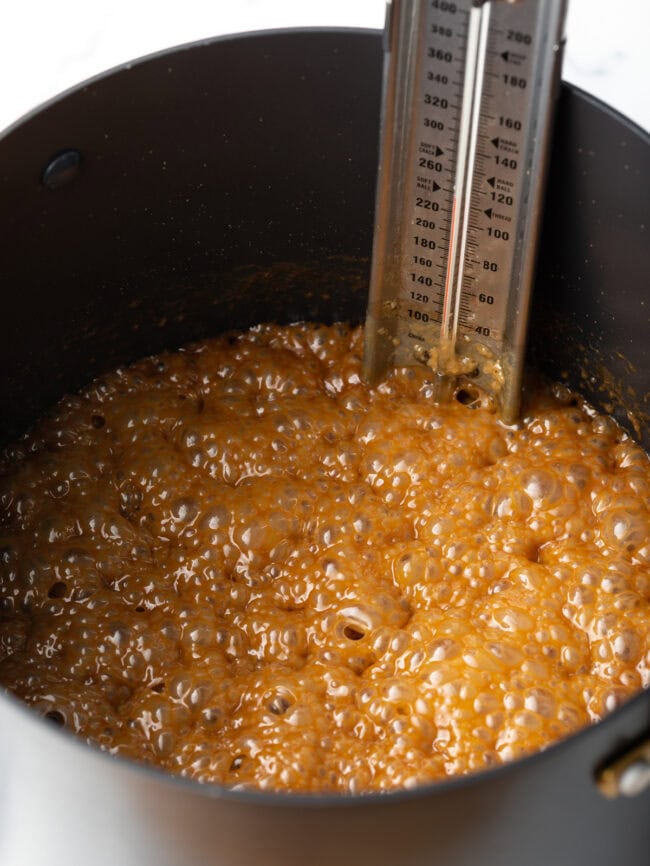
{"x": 241, "y": 563}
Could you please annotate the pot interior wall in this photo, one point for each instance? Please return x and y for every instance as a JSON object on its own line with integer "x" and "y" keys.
{"x": 233, "y": 182}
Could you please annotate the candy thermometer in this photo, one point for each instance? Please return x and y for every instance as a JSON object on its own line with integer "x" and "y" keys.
{"x": 469, "y": 89}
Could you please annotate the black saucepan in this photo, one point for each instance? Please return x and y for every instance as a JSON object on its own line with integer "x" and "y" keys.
{"x": 231, "y": 182}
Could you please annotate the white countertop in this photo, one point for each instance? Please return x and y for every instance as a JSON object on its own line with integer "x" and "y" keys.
{"x": 47, "y": 47}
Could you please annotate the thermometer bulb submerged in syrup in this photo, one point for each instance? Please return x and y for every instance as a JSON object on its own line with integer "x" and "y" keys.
{"x": 468, "y": 100}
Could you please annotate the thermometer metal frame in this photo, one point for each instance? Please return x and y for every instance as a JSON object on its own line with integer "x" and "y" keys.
{"x": 469, "y": 93}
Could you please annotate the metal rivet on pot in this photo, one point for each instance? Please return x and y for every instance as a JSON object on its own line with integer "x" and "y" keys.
{"x": 634, "y": 779}
{"x": 62, "y": 169}
{"x": 628, "y": 775}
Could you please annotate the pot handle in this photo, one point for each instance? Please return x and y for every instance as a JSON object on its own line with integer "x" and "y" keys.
{"x": 628, "y": 774}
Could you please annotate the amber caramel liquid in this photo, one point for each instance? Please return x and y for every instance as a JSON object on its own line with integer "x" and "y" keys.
{"x": 242, "y": 564}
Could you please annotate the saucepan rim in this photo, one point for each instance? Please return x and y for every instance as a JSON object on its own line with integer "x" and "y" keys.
{"x": 278, "y": 798}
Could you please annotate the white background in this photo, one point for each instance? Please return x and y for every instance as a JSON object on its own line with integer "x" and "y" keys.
{"x": 48, "y": 46}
